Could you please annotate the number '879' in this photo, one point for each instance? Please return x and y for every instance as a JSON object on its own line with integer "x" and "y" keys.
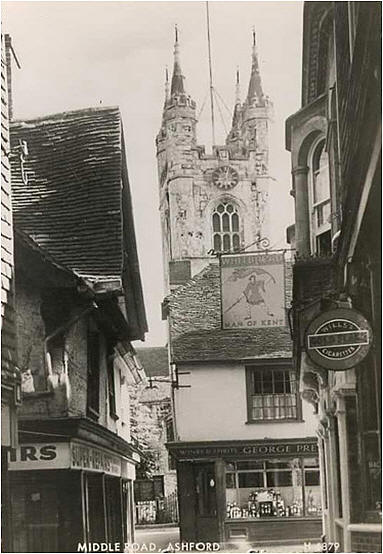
{"x": 330, "y": 546}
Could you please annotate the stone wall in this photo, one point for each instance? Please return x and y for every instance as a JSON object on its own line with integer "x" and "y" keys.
{"x": 64, "y": 393}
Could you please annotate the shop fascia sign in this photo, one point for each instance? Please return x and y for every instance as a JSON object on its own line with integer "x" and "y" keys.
{"x": 65, "y": 455}
{"x": 245, "y": 450}
{"x": 338, "y": 339}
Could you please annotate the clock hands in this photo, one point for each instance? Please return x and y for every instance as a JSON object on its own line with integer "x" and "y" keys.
{"x": 225, "y": 177}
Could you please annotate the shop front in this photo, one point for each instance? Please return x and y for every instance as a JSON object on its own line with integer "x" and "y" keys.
{"x": 251, "y": 492}
{"x": 65, "y": 494}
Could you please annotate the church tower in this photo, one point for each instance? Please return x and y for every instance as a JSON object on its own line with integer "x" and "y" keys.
{"x": 211, "y": 203}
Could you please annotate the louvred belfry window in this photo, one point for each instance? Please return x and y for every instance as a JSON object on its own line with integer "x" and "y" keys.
{"x": 226, "y": 233}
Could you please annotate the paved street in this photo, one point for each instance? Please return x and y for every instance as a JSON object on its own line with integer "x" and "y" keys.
{"x": 158, "y": 536}
{"x": 162, "y": 539}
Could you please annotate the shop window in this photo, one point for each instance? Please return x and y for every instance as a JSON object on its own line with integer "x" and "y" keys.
{"x": 226, "y": 232}
{"x": 312, "y": 478}
{"x": 113, "y": 500}
{"x": 93, "y": 384}
{"x": 95, "y": 508}
{"x": 246, "y": 480}
{"x": 312, "y": 486}
{"x": 279, "y": 479}
{"x": 42, "y": 518}
{"x": 320, "y": 201}
{"x": 271, "y": 393}
{"x": 283, "y": 488}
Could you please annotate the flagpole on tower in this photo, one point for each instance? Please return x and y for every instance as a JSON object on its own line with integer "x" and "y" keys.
{"x": 211, "y": 76}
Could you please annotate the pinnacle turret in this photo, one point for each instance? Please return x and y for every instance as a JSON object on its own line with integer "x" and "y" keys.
{"x": 255, "y": 92}
{"x": 166, "y": 84}
{"x": 237, "y": 105}
{"x": 237, "y": 89}
{"x": 177, "y": 86}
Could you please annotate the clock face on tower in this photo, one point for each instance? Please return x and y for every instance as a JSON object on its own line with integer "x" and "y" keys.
{"x": 225, "y": 177}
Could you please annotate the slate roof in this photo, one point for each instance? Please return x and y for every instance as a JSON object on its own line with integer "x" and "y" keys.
{"x": 155, "y": 360}
{"x": 74, "y": 162}
{"x": 196, "y": 333}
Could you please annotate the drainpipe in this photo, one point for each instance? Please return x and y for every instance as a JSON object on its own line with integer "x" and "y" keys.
{"x": 47, "y": 357}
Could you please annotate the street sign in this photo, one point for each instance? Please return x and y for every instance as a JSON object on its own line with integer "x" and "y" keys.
{"x": 338, "y": 339}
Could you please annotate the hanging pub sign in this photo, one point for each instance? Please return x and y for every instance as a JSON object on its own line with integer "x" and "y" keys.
{"x": 253, "y": 291}
{"x": 338, "y": 339}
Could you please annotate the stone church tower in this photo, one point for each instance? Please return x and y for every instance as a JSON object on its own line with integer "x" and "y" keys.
{"x": 211, "y": 203}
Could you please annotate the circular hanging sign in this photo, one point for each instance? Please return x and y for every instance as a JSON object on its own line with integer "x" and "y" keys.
{"x": 338, "y": 339}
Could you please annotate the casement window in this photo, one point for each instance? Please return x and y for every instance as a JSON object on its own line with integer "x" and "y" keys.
{"x": 320, "y": 200}
{"x": 226, "y": 232}
{"x": 93, "y": 384}
{"x": 271, "y": 394}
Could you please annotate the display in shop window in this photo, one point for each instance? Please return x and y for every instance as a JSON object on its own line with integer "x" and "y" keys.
{"x": 273, "y": 488}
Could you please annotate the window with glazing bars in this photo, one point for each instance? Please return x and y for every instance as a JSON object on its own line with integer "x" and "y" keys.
{"x": 226, "y": 235}
{"x": 272, "y": 394}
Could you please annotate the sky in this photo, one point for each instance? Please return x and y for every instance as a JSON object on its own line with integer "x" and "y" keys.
{"x": 81, "y": 54}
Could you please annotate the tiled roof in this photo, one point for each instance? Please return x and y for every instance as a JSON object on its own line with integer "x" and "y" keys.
{"x": 155, "y": 360}
{"x": 222, "y": 344}
{"x": 74, "y": 163}
{"x": 196, "y": 333}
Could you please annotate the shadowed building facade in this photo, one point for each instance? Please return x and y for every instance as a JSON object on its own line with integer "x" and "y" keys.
{"x": 78, "y": 304}
{"x": 335, "y": 145}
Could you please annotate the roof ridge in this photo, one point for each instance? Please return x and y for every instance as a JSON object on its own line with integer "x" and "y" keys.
{"x": 57, "y": 115}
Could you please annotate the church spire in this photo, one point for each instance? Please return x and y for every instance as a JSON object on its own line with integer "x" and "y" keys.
{"x": 177, "y": 86}
{"x": 255, "y": 92}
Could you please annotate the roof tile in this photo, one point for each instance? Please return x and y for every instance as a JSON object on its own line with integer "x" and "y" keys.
{"x": 74, "y": 161}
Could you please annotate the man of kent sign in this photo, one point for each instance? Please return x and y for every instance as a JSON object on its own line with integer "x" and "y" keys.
{"x": 253, "y": 291}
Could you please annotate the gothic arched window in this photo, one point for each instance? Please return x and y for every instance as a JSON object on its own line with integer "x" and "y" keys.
{"x": 226, "y": 228}
{"x": 320, "y": 200}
